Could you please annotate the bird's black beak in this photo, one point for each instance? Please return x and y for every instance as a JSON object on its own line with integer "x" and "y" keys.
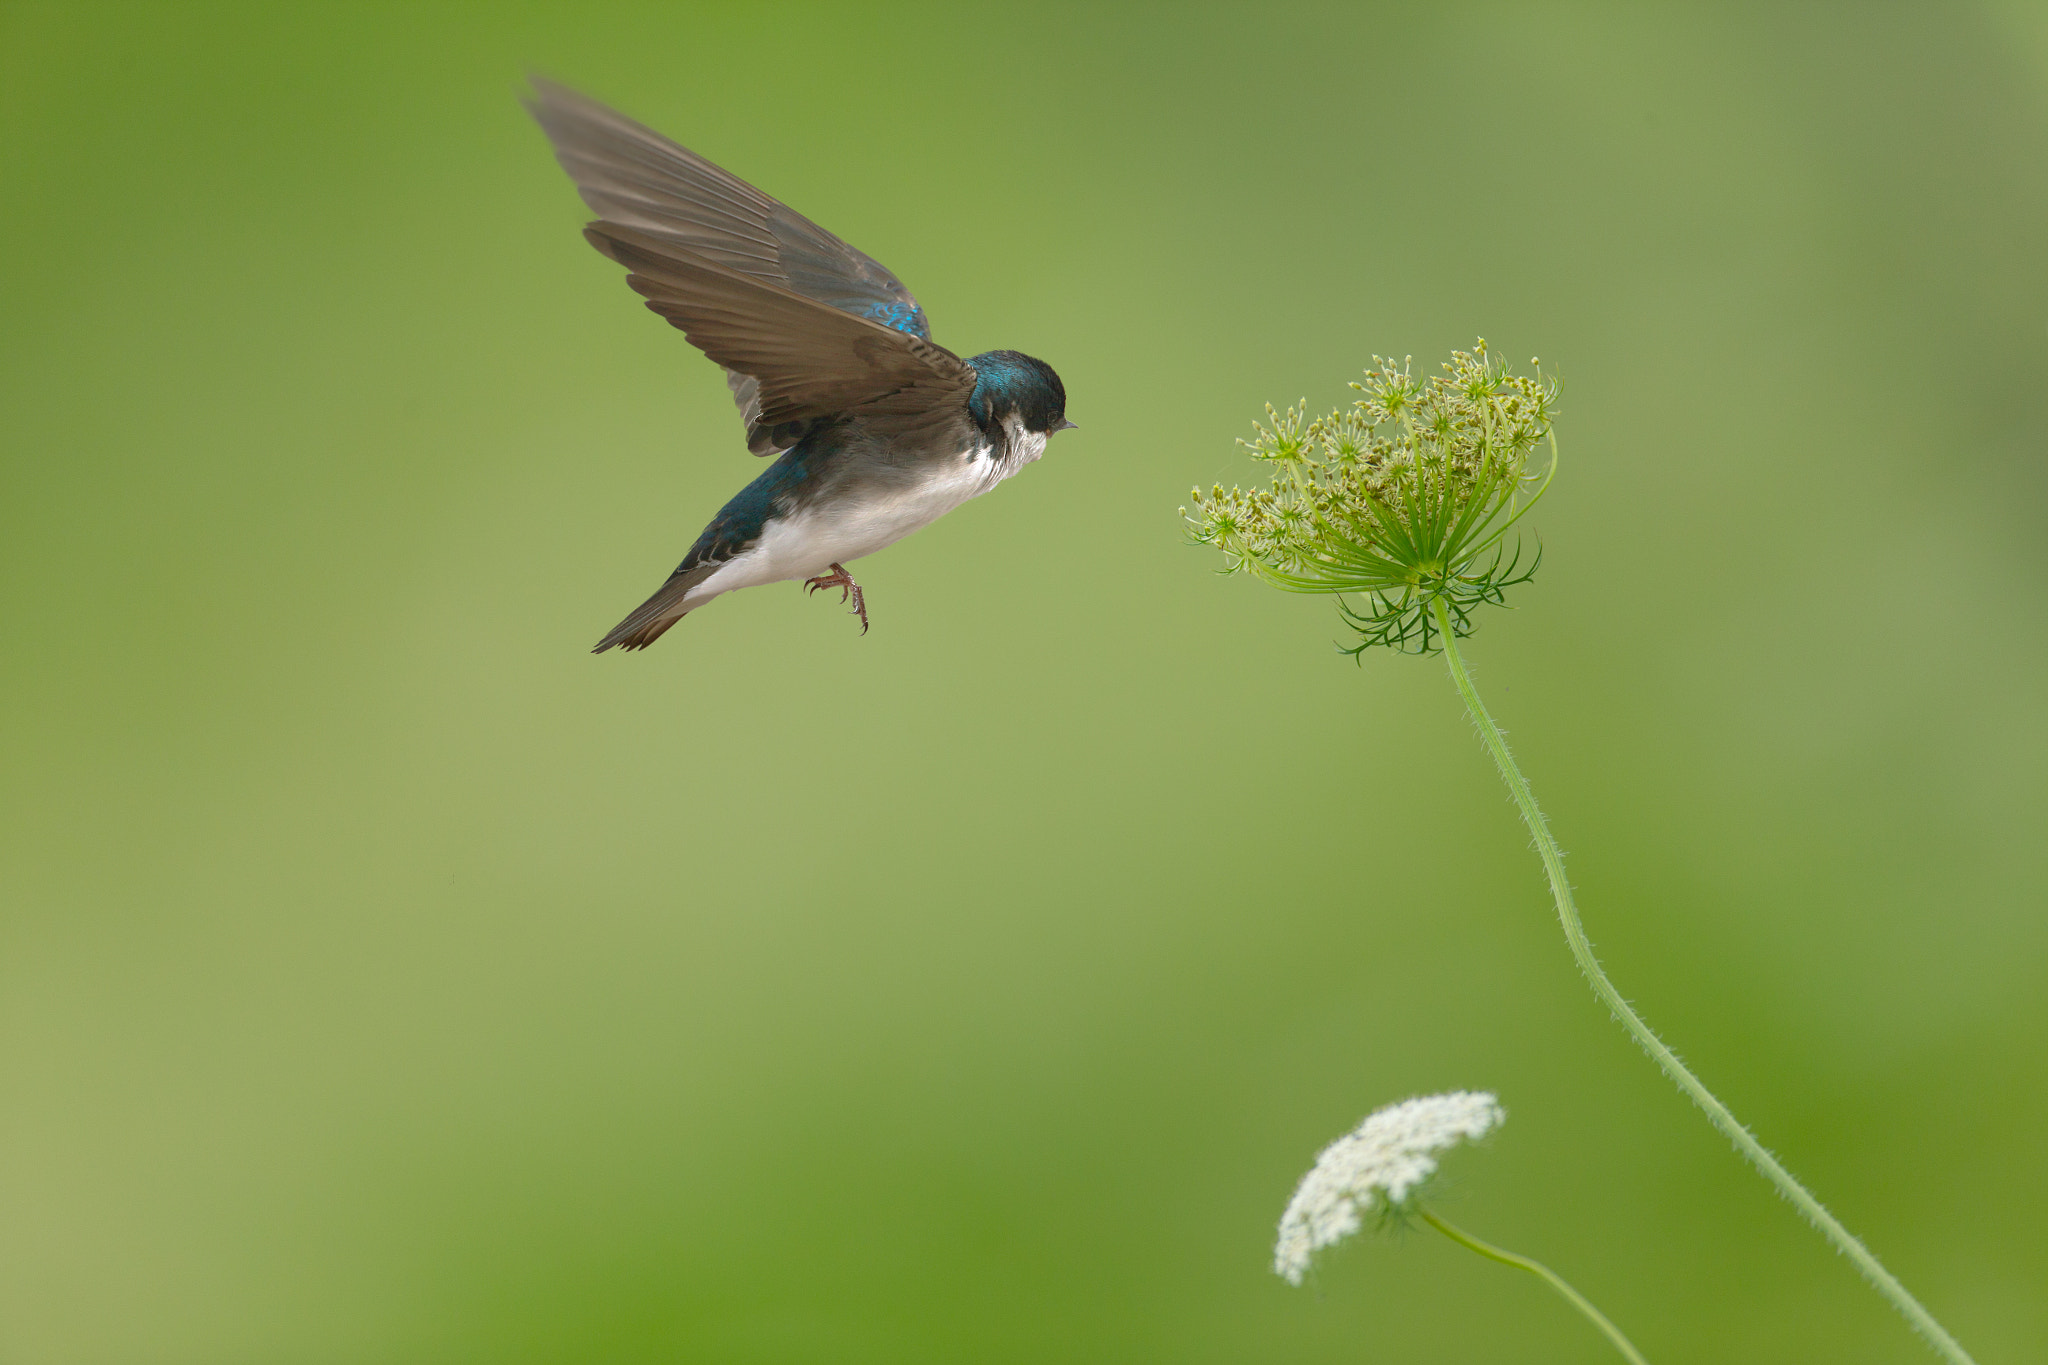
{"x": 1065, "y": 425}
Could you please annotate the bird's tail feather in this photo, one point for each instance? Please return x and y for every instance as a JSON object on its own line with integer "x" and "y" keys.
{"x": 648, "y": 620}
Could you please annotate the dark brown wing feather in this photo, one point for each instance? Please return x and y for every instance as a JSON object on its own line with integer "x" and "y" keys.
{"x": 807, "y": 359}
{"x": 634, "y": 178}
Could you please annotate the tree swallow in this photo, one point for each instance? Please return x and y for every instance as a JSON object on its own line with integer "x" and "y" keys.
{"x": 878, "y": 431}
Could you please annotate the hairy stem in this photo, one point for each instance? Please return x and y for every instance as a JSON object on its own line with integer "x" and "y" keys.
{"x": 1541, "y": 1272}
{"x": 1717, "y": 1113}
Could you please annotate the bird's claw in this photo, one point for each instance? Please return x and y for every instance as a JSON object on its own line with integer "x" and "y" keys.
{"x": 848, "y": 591}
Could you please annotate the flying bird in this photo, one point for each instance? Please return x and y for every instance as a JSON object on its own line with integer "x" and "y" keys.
{"x": 876, "y": 430}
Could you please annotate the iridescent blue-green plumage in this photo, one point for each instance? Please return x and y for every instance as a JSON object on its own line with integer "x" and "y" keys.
{"x": 1010, "y": 381}
{"x": 740, "y": 522}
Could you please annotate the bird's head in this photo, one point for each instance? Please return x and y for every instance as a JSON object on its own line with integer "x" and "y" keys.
{"x": 1010, "y": 385}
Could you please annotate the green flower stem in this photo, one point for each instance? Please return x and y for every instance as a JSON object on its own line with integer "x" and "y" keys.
{"x": 1717, "y": 1113}
{"x": 1541, "y": 1272}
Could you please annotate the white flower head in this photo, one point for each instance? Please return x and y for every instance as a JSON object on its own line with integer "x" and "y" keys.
{"x": 1380, "y": 1163}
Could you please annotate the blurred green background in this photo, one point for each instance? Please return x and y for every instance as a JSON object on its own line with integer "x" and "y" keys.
{"x": 387, "y": 979}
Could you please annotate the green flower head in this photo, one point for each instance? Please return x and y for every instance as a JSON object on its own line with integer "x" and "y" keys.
{"x": 1401, "y": 500}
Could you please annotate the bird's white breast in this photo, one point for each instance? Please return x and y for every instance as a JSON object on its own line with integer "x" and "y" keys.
{"x": 808, "y": 542}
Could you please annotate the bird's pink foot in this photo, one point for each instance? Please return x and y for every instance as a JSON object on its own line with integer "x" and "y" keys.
{"x": 848, "y": 591}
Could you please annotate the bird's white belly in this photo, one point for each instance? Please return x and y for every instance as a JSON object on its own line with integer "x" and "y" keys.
{"x": 807, "y": 544}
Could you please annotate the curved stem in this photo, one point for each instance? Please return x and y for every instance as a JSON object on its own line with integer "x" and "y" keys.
{"x": 1717, "y": 1113}
{"x": 1541, "y": 1272}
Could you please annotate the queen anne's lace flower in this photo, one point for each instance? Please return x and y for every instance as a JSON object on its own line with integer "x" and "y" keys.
{"x": 1383, "y": 1161}
{"x": 1396, "y": 503}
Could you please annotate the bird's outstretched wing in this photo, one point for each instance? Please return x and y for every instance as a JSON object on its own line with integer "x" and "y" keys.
{"x": 806, "y": 360}
{"x": 635, "y": 179}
